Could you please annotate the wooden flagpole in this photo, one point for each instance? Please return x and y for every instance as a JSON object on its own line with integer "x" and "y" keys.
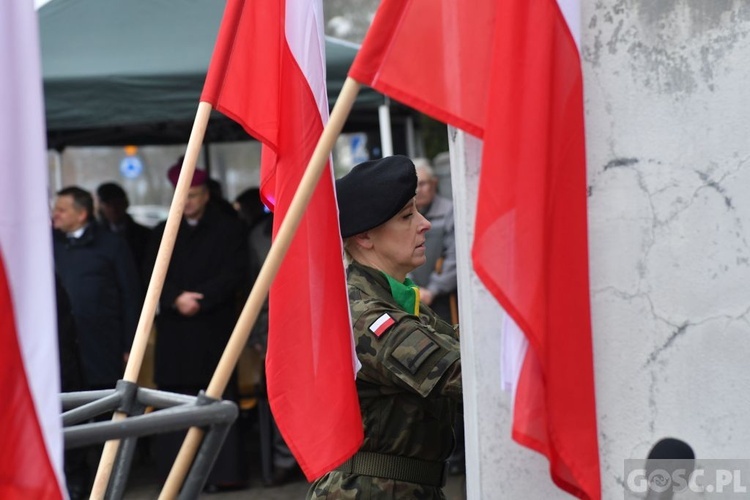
{"x": 155, "y": 286}
{"x": 252, "y": 307}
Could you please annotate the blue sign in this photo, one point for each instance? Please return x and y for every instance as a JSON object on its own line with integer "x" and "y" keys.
{"x": 358, "y": 147}
{"x": 131, "y": 167}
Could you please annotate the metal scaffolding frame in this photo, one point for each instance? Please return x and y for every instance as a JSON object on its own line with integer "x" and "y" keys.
{"x": 172, "y": 412}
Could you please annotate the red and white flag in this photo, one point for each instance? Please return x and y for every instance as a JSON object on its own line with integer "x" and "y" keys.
{"x": 268, "y": 74}
{"x": 510, "y": 73}
{"x": 32, "y": 444}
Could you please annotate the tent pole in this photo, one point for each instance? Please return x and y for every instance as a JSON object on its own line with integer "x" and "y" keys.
{"x": 386, "y": 135}
{"x": 146, "y": 321}
{"x": 257, "y": 297}
{"x": 57, "y": 160}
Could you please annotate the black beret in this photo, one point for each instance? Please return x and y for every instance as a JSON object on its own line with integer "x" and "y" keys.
{"x": 373, "y": 192}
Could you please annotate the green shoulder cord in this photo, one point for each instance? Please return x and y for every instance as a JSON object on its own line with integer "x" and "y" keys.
{"x": 406, "y": 294}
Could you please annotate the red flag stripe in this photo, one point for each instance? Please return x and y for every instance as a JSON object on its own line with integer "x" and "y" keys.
{"x": 309, "y": 365}
{"x": 386, "y": 62}
{"x": 532, "y": 204}
{"x": 256, "y": 78}
{"x": 25, "y": 467}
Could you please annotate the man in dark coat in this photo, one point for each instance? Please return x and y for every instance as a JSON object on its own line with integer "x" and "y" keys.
{"x": 199, "y": 304}
{"x": 97, "y": 270}
{"x": 114, "y": 217}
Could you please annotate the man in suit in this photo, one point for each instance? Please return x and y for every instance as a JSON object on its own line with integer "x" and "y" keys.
{"x": 97, "y": 270}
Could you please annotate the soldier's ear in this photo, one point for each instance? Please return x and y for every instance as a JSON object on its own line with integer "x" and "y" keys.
{"x": 363, "y": 240}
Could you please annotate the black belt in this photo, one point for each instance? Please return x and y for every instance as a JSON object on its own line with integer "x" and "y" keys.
{"x": 410, "y": 470}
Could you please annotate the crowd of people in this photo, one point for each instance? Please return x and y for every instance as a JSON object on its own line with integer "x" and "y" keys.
{"x": 104, "y": 259}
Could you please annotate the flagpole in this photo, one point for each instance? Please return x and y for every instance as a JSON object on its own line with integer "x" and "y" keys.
{"x": 146, "y": 321}
{"x": 257, "y": 297}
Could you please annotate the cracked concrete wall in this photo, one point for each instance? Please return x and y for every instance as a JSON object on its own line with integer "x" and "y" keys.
{"x": 667, "y": 111}
{"x": 667, "y": 102}
{"x": 667, "y": 107}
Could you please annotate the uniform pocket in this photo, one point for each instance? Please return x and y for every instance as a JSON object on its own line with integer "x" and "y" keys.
{"x": 414, "y": 350}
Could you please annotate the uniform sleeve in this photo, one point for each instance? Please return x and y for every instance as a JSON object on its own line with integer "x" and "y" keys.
{"x": 407, "y": 354}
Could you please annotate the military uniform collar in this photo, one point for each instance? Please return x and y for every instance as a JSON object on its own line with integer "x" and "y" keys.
{"x": 371, "y": 273}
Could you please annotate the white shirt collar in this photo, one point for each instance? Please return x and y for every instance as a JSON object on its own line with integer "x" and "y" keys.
{"x": 78, "y": 232}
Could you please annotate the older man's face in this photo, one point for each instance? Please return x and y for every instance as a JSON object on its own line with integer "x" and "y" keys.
{"x": 426, "y": 188}
{"x": 66, "y": 216}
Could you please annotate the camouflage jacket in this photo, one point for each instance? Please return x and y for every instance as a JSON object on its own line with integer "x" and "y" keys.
{"x": 409, "y": 388}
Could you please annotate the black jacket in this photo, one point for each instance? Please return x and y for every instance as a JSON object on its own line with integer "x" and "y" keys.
{"x": 99, "y": 274}
{"x": 71, "y": 367}
{"x": 210, "y": 258}
{"x": 136, "y": 236}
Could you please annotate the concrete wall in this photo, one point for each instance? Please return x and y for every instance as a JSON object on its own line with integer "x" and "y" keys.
{"x": 667, "y": 97}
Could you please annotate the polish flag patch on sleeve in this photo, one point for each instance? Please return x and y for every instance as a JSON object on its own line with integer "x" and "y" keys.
{"x": 380, "y": 325}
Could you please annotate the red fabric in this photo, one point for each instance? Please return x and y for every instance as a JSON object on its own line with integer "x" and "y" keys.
{"x": 25, "y": 467}
{"x": 509, "y": 72}
{"x": 447, "y": 79}
{"x": 254, "y": 79}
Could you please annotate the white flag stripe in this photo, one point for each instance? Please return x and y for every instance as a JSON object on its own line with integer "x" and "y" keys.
{"x": 302, "y": 18}
{"x": 379, "y": 322}
{"x": 513, "y": 351}
{"x": 25, "y": 232}
{"x": 571, "y": 10}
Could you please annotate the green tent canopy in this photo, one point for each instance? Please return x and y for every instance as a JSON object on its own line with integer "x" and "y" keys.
{"x": 131, "y": 72}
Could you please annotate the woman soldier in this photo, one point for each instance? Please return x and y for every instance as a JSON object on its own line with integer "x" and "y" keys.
{"x": 410, "y": 382}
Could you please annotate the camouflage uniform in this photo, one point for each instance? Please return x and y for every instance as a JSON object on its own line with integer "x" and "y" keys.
{"x": 409, "y": 387}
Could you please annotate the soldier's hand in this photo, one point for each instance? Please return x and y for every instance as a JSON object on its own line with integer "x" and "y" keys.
{"x": 425, "y": 296}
